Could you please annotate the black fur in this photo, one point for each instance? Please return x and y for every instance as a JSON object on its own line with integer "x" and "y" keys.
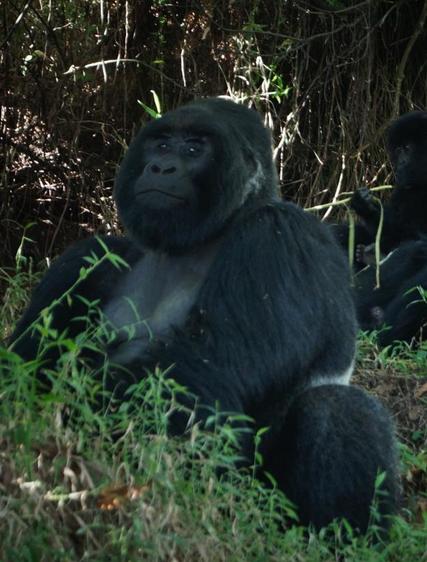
{"x": 335, "y": 442}
{"x": 404, "y": 214}
{"x": 248, "y": 297}
{"x": 396, "y": 304}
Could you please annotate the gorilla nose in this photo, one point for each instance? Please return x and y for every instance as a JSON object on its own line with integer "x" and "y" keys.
{"x": 163, "y": 170}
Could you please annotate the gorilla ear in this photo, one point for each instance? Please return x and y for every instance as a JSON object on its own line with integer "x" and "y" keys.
{"x": 256, "y": 179}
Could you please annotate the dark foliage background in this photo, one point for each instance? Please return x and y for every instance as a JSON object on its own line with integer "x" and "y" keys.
{"x": 78, "y": 77}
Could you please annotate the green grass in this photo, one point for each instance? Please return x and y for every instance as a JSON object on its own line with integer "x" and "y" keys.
{"x": 76, "y": 484}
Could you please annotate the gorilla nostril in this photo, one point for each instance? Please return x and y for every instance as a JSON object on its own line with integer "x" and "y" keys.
{"x": 156, "y": 169}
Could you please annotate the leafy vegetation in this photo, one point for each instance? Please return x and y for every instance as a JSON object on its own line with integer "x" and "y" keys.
{"x": 77, "y": 483}
{"x": 77, "y": 79}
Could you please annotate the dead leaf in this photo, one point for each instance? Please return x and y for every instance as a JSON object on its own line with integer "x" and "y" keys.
{"x": 115, "y": 496}
{"x": 421, "y": 391}
{"x": 421, "y": 510}
{"x": 415, "y": 413}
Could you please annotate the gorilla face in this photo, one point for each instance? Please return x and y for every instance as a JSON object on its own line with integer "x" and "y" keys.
{"x": 186, "y": 175}
{"x": 176, "y": 165}
{"x": 407, "y": 147}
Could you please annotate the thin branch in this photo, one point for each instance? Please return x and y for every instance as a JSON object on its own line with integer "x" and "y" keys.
{"x": 401, "y": 68}
{"x": 15, "y": 25}
{"x": 346, "y": 200}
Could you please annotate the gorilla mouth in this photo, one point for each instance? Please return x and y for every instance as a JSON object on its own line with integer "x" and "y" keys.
{"x": 154, "y": 190}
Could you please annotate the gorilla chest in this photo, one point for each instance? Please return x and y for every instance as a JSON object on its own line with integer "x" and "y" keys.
{"x": 156, "y": 295}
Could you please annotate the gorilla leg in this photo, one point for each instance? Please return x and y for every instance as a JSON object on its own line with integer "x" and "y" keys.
{"x": 406, "y": 313}
{"x": 401, "y": 309}
{"x": 334, "y": 442}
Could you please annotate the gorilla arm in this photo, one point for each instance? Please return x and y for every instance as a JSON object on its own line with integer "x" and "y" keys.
{"x": 67, "y": 315}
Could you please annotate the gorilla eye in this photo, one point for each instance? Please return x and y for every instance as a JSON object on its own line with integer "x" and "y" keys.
{"x": 403, "y": 148}
{"x": 193, "y": 146}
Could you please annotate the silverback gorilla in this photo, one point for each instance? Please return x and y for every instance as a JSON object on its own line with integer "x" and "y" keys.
{"x": 244, "y": 299}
